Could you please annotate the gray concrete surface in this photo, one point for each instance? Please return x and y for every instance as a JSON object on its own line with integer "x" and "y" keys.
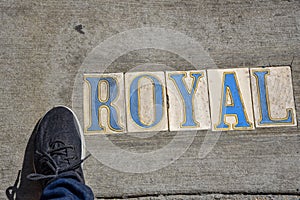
{"x": 218, "y": 196}
{"x": 41, "y": 53}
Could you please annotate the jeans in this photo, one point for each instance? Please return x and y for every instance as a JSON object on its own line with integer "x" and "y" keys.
{"x": 67, "y": 189}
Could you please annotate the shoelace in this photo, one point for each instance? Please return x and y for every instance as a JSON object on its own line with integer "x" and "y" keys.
{"x": 48, "y": 156}
{"x": 12, "y": 190}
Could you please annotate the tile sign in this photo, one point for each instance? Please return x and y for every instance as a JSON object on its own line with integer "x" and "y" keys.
{"x": 216, "y": 99}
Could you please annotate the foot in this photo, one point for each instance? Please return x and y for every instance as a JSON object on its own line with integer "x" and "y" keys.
{"x": 58, "y": 147}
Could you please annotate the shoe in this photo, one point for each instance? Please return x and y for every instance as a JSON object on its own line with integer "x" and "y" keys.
{"x": 58, "y": 150}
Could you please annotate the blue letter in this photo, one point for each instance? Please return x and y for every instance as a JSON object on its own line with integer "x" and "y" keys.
{"x": 187, "y": 96}
{"x": 97, "y": 104}
{"x": 236, "y": 107}
{"x": 134, "y": 101}
{"x": 262, "y": 90}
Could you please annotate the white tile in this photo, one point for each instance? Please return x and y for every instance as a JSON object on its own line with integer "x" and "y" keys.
{"x": 146, "y": 101}
{"x": 273, "y": 98}
{"x": 104, "y": 106}
{"x": 188, "y": 100}
{"x": 232, "y": 99}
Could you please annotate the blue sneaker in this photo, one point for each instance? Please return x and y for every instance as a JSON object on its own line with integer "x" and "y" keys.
{"x": 59, "y": 147}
